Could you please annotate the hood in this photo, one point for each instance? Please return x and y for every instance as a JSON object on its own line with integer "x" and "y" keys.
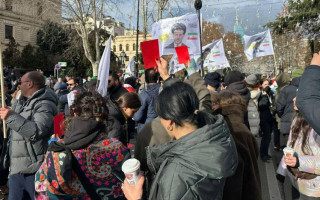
{"x": 283, "y": 79}
{"x": 210, "y": 149}
{"x": 295, "y": 81}
{"x": 255, "y": 94}
{"x": 153, "y": 89}
{"x": 240, "y": 88}
{"x": 81, "y": 132}
{"x": 42, "y": 94}
{"x": 234, "y": 112}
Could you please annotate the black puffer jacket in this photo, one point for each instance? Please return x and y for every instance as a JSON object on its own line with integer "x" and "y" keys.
{"x": 308, "y": 97}
{"x": 196, "y": 165}
{"x": 284, "y": 105}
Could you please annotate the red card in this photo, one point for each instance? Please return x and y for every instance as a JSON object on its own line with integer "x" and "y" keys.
{"x": 58, "y": 125}
{"x": 183, "y": 54}
{"x": 150, "y": 52}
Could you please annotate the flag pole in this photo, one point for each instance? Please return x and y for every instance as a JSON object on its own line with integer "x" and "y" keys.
{"x": 2, "y": 92}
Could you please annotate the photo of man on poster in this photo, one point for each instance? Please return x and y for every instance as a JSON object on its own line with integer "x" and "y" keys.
{"x": 178, "y": 31}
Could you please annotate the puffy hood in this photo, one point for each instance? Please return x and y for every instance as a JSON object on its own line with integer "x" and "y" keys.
{"x": 295, "y": 81}
{"x": 283, "y": 79}
{"x": 255, "y": 94}
{"x": 210, "y": 149}
{"x": 240, "y": 88}
{"x": 42, "y": 94}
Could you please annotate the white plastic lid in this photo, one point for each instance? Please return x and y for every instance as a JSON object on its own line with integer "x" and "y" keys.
{"x": 130, "y": 165}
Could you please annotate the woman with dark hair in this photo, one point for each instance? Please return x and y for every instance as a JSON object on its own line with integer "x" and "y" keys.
{"x": 201, "y": 156}
{"x": 245, "y": 183}
{"x": 303, "y": 167}
{"x": 86, "y": 163}
{"x": 265, "y": 103}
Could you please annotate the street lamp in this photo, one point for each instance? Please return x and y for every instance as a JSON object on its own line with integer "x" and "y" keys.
{"x": 198, "y": 6}
{"x": 122, "y": 57}
{"x": 137, "y": 42}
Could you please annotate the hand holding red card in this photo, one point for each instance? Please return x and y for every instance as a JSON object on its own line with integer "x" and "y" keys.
{"x": 183, "y": 54}
{"x": 58, "y": 125}
{"x": 150, "y": 52}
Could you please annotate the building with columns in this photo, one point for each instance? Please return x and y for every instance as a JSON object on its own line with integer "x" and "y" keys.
{"x": 127, "y": 44}
{"x": 21, "y": 19}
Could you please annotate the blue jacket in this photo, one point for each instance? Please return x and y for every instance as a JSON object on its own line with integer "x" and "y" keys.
{"x": 146, "y": 112}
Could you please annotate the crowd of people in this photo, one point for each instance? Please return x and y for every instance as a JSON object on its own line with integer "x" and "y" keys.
{"x": 196, "y": 137}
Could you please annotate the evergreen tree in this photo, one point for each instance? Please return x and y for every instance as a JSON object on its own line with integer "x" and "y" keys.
{"x": 299, "y": 17}
{"x": 28, "y": 59}
{"x": 11, "y": 55}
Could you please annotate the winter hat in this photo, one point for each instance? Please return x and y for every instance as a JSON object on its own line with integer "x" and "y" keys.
{"x": 63, "y": 86}
{"x": 233, "y": 76}
{"x": 297, "y": 73}
{"x": 213, "y": 79}
{"x": 252, "y": 80}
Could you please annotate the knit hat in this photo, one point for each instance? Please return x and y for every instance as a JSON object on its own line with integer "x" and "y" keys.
{"x": 233, "y": 76}
{"x": 213, "y": 79}
{"x": 252, "y": 80}
{"x": 63, "y": 86}
{"x": 297, "y": 73}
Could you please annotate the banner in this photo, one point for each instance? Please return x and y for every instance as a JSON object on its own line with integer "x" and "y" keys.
{"x": 178, "y": 31}
{"x": 130, "y": 68}
{"x": 174, "y": 65}
{"x": 104, "y": 67}
{"x": 258, "y": 45}
{"x": 213, "y": 53}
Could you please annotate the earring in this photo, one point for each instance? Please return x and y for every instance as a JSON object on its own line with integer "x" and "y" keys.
{"x": 170, "y": 128}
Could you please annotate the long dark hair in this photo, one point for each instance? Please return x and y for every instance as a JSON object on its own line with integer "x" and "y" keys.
{"x": 178, "y": 103}
{"x": 129, "y": 100}
{"x": 301, "y": 126}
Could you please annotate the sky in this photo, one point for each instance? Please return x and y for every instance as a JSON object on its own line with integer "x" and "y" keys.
{"x": 253, "y": 14}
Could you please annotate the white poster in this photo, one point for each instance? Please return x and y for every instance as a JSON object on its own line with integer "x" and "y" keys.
{"x": 178, "y": 31}
{"x": 258, "y": 45}
{"x": 174, "y": 65}
{"x": 214, "y": 53}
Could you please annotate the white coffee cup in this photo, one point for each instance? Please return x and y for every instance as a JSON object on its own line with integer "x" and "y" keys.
{"x": 131, "y": 169}
{"x": 288, "y": 151}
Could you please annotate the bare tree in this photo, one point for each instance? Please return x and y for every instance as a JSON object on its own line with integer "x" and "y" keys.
{"x": 87, "y": 16}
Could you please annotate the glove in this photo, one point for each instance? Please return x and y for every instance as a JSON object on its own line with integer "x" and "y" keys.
{"x": 280, "y": 178}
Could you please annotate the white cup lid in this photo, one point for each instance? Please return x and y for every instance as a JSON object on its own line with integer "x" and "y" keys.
{"x": 130, "y": 165}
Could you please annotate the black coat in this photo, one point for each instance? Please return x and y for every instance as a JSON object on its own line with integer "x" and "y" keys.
{"x": 308, "y": 97}
{"x": 117, "y": 92}
{"x": 284, "y": 105}
{"x": 264, "y": 106}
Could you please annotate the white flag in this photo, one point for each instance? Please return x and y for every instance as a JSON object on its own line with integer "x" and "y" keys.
{"x": 174, "y": 65}
{"x": 214, "y": 53}
{"x": 130, "y": 68}
{"x": 104, "y": 66}
{"x": 258, "y": 45}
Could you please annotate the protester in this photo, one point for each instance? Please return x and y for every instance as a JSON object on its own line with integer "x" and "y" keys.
{"x": 245, "y": 183}
{"x": 115, "y": 89}
{"x": 213, "y": 81}
{"x": 86, "y": 155}
{"x": 301, "y": 168}
{"x": 197, "y": 132}
{"x": 308, "y": 96}
{"x": 30, "y": 122}
{"x": 266, "y": 119}
{"x": 284, "y": 104}
{"x": 253, "y": 112}
{"x": 282, "y": 80}
{"x": 123, "y": 110}
{"x": 234, "y": 81}
{"x": 56, "y": 86}
{"x": 146, "y": 112}
{"x": 67, "y": 99}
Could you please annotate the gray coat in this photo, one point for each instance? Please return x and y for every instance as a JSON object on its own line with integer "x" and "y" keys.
{"x": 253, "y": 113}
{"x": 31, "y": 125}
{"x": 194, "y": 166}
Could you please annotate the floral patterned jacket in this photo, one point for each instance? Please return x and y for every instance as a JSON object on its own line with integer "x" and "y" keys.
{"x": 97, "y": 161}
